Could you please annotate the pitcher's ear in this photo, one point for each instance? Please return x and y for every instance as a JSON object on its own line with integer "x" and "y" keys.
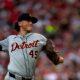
{"x": 19, "y": 23}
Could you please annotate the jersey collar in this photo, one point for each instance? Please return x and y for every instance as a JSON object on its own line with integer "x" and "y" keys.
{"x": 27, "y": 35}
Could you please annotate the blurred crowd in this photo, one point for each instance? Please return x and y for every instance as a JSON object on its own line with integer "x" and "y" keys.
{"x": 59, "y": 20}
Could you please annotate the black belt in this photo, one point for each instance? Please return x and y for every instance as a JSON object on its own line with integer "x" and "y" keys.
{"x": 12, "y": 75}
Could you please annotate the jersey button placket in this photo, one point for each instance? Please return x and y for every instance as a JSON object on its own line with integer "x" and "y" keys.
{"x": 25, "y": 55}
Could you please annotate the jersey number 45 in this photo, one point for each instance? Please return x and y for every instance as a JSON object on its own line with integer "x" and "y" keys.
{"x": 33, "y": 54}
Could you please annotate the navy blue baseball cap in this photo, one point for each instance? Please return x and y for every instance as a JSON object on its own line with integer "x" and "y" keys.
{"x": 26, "y": 16}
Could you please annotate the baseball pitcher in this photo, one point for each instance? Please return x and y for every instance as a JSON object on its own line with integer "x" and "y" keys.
{"x": 24, "y": 49}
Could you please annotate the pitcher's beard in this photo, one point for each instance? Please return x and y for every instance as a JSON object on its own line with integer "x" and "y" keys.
{"x": 28, "y": 31}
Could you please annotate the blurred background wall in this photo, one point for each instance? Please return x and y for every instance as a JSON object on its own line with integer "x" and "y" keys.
{"x": 59, "y": 20}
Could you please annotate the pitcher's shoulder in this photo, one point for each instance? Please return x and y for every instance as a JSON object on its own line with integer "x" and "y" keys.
{"x": 40, "y": 35}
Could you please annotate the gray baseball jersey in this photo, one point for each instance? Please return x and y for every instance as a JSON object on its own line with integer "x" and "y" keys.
{"x": 24, "y": 52}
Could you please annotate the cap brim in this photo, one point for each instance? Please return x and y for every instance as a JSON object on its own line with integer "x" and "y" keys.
{"x": 33, "y": 19}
